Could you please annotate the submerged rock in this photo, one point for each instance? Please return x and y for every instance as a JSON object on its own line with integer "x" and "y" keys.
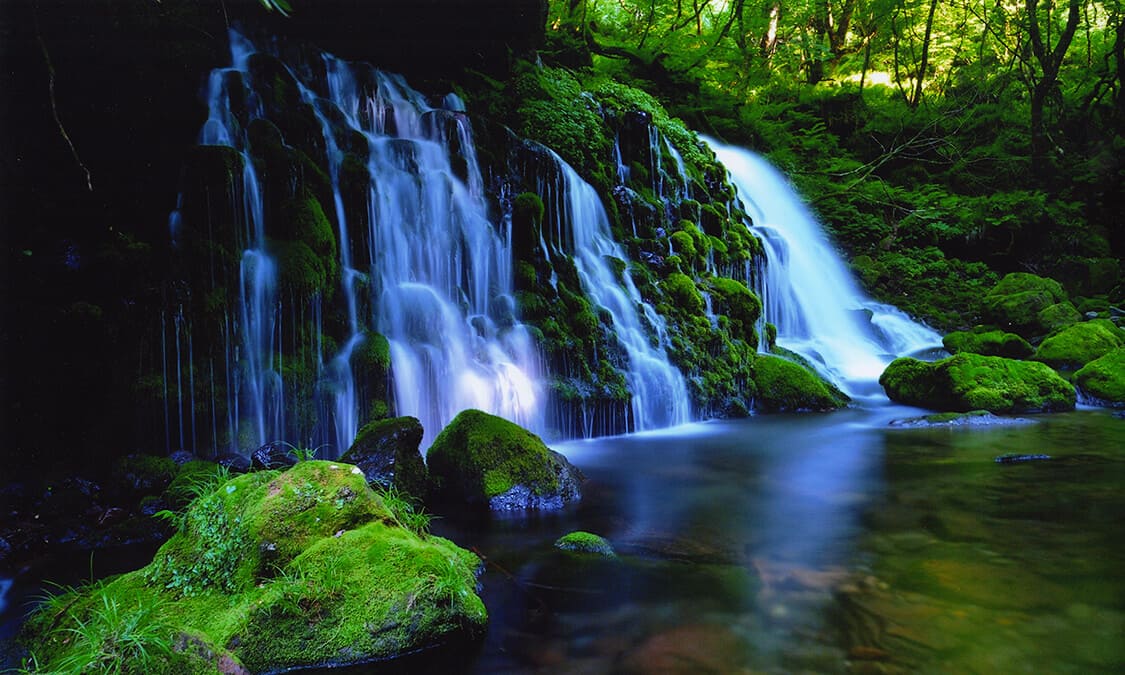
{"x": 585, "y": 542}
{"x": 488, "y": 461}
{"x": 276, "y": 571}
{"x": 973, "y": 418}
{"x": 387, "y": 453}
{"x": 967, "y": 382}
{"x": 1013, "y": 458}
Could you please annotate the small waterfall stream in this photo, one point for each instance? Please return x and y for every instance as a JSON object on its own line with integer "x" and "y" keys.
{"x": 808, "y": 292}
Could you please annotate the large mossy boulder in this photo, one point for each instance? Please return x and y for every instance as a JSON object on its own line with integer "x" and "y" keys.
{"x": 387, "y": 453}
{"x": 965, "y": 382}
{"x": 484, "y": 460}
{"x": 1077, "y": 345}
{"x": 784, "y": 386}
{"x": 1104, "y": 378}
{"x": 1029, "y": 305}
{"x": 988, "y": 343}
{"x": 274, "y": 571}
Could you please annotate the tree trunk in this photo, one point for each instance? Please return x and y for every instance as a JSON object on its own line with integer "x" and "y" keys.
{"x": 1049, "y": 62}
{"x": 916, "y": 97}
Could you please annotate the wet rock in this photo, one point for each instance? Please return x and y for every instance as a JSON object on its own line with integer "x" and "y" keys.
{"x": 1013, "y": 458}
{"x": 387, "y": 453}
{"x": 234, "y": 462}
{"x": 181, "y": 457}
{"x": 975, "y": 418}
{"x": 585, "y": 542}
{"x": 273, "y": 456}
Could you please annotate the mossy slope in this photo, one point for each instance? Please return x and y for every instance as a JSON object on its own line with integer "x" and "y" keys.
{"x": 784, "y": 386}
{"x": 1104, "y": 377}
{"x": 965, "y": 382}
{"x": 286, "y": 570}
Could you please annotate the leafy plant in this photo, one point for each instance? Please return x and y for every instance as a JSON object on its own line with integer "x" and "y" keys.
{"x": 404, "y": 512}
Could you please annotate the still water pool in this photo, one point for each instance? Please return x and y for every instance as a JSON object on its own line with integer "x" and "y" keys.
{"x": 821, "y": 543}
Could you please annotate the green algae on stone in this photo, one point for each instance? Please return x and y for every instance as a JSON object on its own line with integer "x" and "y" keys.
{"x": 1104, "y": 378}
{"x": 313, "y": 572}
{"x": 488, "y": 461}
{"x": 965, "y": 382}
{"x": 784, "y": 386}
{"x": 585, "y": 542}
{"x": 1077, "y": 345}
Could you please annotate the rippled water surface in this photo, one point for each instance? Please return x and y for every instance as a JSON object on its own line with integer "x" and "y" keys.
{"x": 822, "y": 543}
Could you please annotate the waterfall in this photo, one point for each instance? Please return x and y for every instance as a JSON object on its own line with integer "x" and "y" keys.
{"x": 808, "y": 292}
{"x": 580, "y": 228}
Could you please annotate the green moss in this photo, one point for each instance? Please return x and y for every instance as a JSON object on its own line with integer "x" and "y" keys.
{"x": 785, "y": 386}
{"x": 1077, "y": 345}
{"x": 965, "y": 382}
{"x": 373, "y": 355}
{"x": 1016, "y": 301}
{"x": 585, "y": 542}
{"x": 1058, "y": 316}
{"x": 682, "y": 291}
{"x": 480, "y": 456}
{"x": 356, "y": 589}
{"x": 1104, "y": 377}
{"x": 739, "y": 303}
{"x": 988, "y": 343}
{"x": 301, "y": 271}
{"x": 683, "y": 244}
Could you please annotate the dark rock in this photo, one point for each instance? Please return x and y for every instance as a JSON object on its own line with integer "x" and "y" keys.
{"x": 112, "y": 516}
{"x": 273, "y": 456}
{"x": 975, "y": 418}
{"x": 387, "y": 453}
{"x": 181, "y": 457}
{"x": 234, "y": 462}
{"x": 1012, "y": 458}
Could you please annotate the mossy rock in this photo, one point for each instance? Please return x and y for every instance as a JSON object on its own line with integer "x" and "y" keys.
{"x": 988, "y": 343}
{"x": 739, "y": 303}
{"x": 344, "y": 584}
{"x": 1016, "y": 301}
{"x": 488, "y": 461}
{"x": 1104, "y": 378}
{"x": 585, "y": 542}
{"x": 1058, "y": 316}
{"x": 1077, "y": 345}
{"x": 682, "y": 291}
{"x": 784, "y": 386}
{"x": 387, "y": 453}
{"x": 965, "y": 382}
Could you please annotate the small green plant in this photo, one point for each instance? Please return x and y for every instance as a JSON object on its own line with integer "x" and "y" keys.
{"x": 302, "y": 453}
{"x": 403, "y": 511}
{"x": 213, "y": 561}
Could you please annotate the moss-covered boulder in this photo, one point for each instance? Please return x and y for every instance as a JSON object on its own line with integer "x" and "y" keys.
{"x": 274, "y": 571}
{"x": 488, "y": 461}
{"x": 1025, "y": 304}
{"x": 1077, "y": 345}
{"x": 784, "y": 386}
{"x": 1104, "y": 378}
{"x": 585, "y": 542}
{"x": 387, "y": 453}
{"x": 965, "y": 382}
{"x": 988, "y": 343}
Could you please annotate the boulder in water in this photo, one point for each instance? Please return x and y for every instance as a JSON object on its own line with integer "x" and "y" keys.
{"x": 1079, "y": 344}
{"x": 585, "y": 542}
{"x": 784, "y": 386}
{"x": 1103, "y": 378}
{"x": 965, "y": 382}
{"x": 488, "y": 461}
{"x": 387, "y": 453}
{"x": 980, "y": 340}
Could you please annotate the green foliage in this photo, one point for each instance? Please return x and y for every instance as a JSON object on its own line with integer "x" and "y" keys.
{"x": 965, "y": 382}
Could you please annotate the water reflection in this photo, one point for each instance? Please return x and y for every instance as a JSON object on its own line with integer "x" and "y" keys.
{"x": 824, "y": 543}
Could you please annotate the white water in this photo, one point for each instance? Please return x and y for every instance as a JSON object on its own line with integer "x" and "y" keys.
{"x": 580, "y": 228}
{"x": 440, "y": 271}
{"x": 808, "y": 293}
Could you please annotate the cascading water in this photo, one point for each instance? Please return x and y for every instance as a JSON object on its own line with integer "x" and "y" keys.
{"x": 809, "y": 294}
{"x": 580, "y": 227}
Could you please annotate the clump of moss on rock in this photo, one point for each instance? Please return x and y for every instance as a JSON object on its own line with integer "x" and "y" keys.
{"x": 1077, "y": 345}
{"x": 965, "y": 382}
{"x": 784, "y": 386}
{"x": 1104, "y": 378}
{"x": 488, "y": 461}
{"x": 1026, "y": 304}
{"x": 988, "y": 343}
{"x": 312, "y": 571}
{"x": 585, "y": 542}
